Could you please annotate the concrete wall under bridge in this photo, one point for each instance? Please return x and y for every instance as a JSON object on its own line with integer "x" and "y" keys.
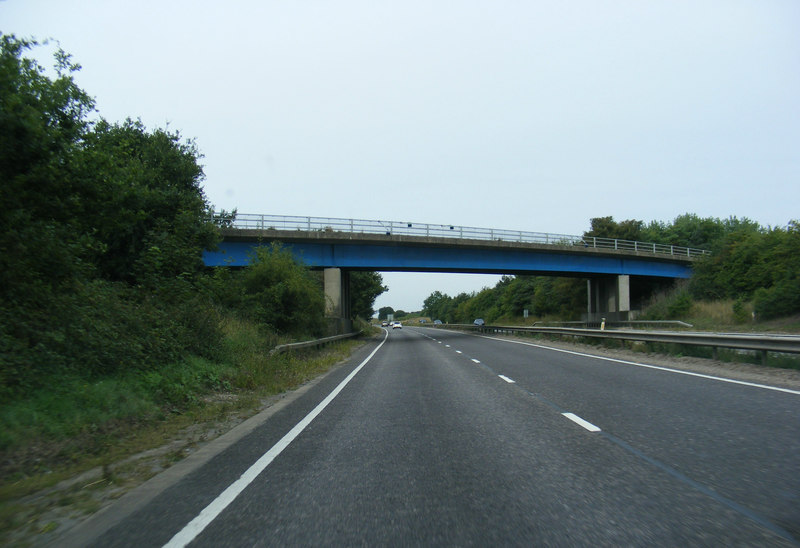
{"x": 337, "y": 300}
{"x": 609, "y": 299}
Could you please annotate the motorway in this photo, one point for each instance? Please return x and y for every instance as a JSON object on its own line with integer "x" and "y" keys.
{"x": 437, "y": 438}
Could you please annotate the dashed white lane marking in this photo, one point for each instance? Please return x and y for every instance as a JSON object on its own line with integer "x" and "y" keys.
{"x": 447, "y": 345}
{"x": 509, "y": 381}
{"x": 210, "y": 512}
{"x": 647, "y": 366}
{"x": 476, "y": 361}
{"x": 577, "y": 420}
{"x": 458, "y": 351}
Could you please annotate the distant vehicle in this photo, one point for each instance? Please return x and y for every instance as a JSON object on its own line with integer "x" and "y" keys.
{"x": 397, "y": 325}
{"x": 384, "y": 323}
{"x": 479, "y": 321}
{"x": 437, "y": 322}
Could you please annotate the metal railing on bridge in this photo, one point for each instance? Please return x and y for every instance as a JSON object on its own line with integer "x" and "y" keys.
{"x": 362, "y": 226}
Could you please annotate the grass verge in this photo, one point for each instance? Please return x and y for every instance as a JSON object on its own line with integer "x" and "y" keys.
{"x": 74, "y": 425}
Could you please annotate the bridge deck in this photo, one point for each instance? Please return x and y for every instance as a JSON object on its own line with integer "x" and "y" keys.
{"x": 413, "y": 253}
{"x": 364, "y": 228}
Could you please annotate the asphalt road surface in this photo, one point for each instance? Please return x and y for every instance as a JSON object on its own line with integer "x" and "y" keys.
{"x": 436, "y": 438}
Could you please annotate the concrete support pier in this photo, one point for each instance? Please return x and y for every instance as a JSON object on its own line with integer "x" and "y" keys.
{"x": 337, "y": 300}
{"x": 609, "y": 298}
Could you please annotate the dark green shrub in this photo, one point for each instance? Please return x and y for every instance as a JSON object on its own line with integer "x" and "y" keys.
{"x": 782, "y": 299}
{"x": 101, "y": 328}
{"x": 679, "y": 305}
{"x": 672, "y": 305}
{"x": 740, "y": 311}
{"x": 282, "y": 294}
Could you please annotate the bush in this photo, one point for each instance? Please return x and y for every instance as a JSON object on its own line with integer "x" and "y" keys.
{"x": 679, "y": 306}
{"x": 282, "y": 294}
{"x": 672, "y": 305}
{"x": 100, "y": 328}
{"x": 741, "y": 312}
{"x": 782, "y": 299}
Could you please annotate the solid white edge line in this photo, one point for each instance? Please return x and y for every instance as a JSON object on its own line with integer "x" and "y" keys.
{"x": 210, "y": 512}
{"x": 577, "y": 420}
{"x": 509, "y": 381}
{"x": 658, "y": 367}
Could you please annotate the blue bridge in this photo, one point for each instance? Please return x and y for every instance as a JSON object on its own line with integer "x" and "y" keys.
{"x": 338, "y": 246}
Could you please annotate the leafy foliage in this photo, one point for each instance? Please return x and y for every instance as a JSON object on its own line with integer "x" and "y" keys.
{"x": 42, "y": 123}
{"x": 103, "y": 229}
{"x": 782, "y": 299}
{"x": 672, "y": 304}
{"x": 606, "y": 227}
{"x": 282, "y": 294}
{"x": 365, "y": 287}
{"x": 142, "y": 203}
{"x": 384, "y": 311}
{"x": 443, "y": 307}
{"x": 748, "y": 262}
{"x": 540, "y": 295}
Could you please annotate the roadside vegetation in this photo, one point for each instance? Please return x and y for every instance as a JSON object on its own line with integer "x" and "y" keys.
{"x": 750, "y": 283}
{"x": 112, "y": 331}
{"x": 751, "y": 279}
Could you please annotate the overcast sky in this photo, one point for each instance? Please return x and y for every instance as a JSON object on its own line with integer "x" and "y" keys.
{"x": 516, "y": 115}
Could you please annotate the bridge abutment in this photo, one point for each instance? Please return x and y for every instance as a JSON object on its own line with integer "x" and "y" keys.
{"x": 336, "y": 284}
{"x": 609, "y": 298}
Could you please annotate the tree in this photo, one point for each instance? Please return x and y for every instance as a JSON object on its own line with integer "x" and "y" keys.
{"x": 752, "y": 263}
{"x": 606, "y": 227}
{"x": 73, "y": 192}
{"x": 143, "y": 203}
{"x": 519, "y": 296}
{"x": 442, "y": 307}
{"x": 364, "y": 289}
{"x": 42, "y": 122}
{"x": 384, "y": 311}
{"x": 82, "y": 198}
{"x": 282, "y": 294}
{"x": 432, "y": 305}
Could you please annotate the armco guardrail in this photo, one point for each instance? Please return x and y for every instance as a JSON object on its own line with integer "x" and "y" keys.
{"x": 362, "y": 226}
{"x": 764, "y": 343}
{"x": 281, "y": 348}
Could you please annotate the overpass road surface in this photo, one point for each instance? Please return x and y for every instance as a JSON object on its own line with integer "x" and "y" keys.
{"x": 432, "y": 437}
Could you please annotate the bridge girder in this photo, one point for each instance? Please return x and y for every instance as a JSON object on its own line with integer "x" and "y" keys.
{"x": 607, "y": 270}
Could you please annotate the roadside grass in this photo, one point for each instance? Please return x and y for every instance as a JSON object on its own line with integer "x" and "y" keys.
{"x": 713, "y": 313}
{"x": 752, "y": 357}
{"x": 75, "y": 424}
